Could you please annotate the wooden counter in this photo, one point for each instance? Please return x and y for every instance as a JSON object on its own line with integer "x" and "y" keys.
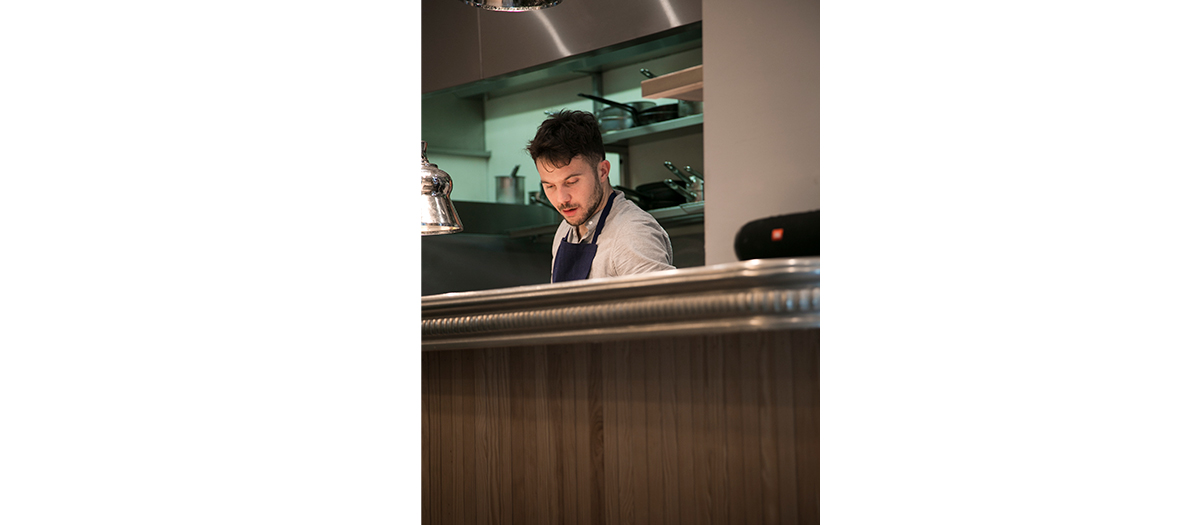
{"x": 687, "y": 396}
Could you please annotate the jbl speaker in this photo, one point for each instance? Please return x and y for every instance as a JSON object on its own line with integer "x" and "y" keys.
{"x": 791, "y": 235}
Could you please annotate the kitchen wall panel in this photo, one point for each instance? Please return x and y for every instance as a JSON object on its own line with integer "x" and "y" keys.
{"x": 692, "y": 430}
{"x": 762, "y": 137}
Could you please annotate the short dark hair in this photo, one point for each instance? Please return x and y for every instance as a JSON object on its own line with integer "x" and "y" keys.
{"x": 565, "y": 135}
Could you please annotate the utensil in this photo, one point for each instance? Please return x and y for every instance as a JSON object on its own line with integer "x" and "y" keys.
{"x": 660, "y": 195}
{"x": 688, "y": 195}
{"x": 620, "y": 116}
{"x": 641, "y": 200}
{"x": 641, "y": 117}
{"x": 695, "y": 191}
{"x": 676, "y": 172}
{"x": 510, "y": 189}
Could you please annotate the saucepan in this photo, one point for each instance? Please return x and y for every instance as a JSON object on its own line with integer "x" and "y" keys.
{"x": 611, "y": 118}
{"x": 653, "y": 196}
{"x": 641, "y": 117}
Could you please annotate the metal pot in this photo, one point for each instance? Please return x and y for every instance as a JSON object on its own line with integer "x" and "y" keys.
{"x": 613, "y": 118}
{"x": 641, "y": 117}
{"x": 510, "y": 188}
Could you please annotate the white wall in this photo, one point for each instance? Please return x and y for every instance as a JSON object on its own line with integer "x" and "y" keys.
{"x": 762, "y": 131}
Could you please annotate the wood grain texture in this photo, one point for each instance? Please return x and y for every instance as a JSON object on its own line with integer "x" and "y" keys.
{"x": 683, "y": 430}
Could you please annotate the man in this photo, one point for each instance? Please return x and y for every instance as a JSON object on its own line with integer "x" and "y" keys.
{"x": 604, "y": 234}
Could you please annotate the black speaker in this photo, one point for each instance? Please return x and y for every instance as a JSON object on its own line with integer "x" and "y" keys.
{"x": 791, "y": 235}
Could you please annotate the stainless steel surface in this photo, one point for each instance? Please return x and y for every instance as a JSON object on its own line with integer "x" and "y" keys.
{"x": 498, "y": 219}
{"x": 512, "y": 42}
{"x": 672, "y": 167}
{"x": 694, "y": 173}
{"x": 613, "y": 118}
{"x": 619, "y": 115}
{"x": 615, "y": 123}
{"x": 509, "y": 190}
{"x": 658, "y": 131}
{"x": 438, "y": 213}
{"x": 512, "y": 5}
{"x": 450, "y": 45}
{"x": 690, "y": 107}
{"x": 749, "y": 295}
{"x": 675, "y": 212}
{"x": 695, "y": 192}
{"x": 688, "y": 195}
{"x": 672, "y": 41}
{"x": 476, "y": 261}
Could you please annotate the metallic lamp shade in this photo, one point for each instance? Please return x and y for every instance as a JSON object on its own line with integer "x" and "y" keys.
{"x": 438, "y": 213}
{"x": 512, "y": 5}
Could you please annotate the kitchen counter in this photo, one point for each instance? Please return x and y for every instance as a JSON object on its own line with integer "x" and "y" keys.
{"x": 685, "y": 396}
{"x": 761, "y": 294}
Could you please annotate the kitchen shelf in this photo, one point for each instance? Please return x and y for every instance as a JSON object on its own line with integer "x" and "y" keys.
{"x": 658, "y": 131}
{"x": 686, "y": 84}
{"x": 462, "y": 152}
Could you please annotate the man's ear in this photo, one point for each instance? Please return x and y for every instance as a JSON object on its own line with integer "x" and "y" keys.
{"x": 603, "y": 170}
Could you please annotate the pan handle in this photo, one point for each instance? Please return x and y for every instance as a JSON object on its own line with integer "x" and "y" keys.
{"x": 689, "y": 195}
{"x": 672, "y": 168}
{"x": 634, "y": 112}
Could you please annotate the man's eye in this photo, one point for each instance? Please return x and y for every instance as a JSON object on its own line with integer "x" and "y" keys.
{"x": 571, "y": 181}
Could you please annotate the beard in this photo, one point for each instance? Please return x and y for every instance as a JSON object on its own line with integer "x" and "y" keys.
{"x": 590, "y": 208}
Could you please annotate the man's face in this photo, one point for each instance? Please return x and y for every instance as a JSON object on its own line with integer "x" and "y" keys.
{"x": 574, "y": 189}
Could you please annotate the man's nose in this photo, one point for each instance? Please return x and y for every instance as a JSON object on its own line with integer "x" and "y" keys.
{"x": 563, "y": 195}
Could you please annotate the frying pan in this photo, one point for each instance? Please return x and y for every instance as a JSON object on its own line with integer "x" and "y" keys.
{"x": 640, "y": 199}
{"x": 660, "y": 195}
{"x": 653, "y": 196}
{"x": 642, "y": 117}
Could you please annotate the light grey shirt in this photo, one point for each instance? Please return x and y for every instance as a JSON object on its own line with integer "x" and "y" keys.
{"x": 631, "y": 242}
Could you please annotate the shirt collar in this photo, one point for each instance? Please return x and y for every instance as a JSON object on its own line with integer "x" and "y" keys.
{"x": 590, "y": 224}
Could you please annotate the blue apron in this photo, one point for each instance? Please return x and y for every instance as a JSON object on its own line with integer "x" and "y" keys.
{"x": 572, "y": 262}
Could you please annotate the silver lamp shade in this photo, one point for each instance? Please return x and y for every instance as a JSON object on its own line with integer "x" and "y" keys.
{"x": 512, "y": 5}
{"x": 438, "y": 213}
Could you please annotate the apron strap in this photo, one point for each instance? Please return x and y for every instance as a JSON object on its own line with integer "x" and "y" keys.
{"x": 602, "y": 219}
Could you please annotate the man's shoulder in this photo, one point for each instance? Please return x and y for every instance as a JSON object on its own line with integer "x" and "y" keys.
{"x": 630, "y": 212}
{"x": 633, "y": 225}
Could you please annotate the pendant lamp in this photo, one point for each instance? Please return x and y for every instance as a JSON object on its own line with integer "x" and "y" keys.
{"x": 512, "y": 5}
{"x": 438, "y": 212}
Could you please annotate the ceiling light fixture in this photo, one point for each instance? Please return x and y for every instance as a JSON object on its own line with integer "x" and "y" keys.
{"x": 512, "y": 5}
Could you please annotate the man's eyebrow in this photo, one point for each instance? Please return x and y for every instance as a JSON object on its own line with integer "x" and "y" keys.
{"x": 568, "y": 177}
